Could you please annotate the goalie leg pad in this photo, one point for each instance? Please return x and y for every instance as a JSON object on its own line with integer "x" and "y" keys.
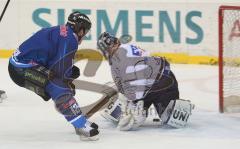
{"x": 177, "y": 113}
{"x": 113, "y": 112}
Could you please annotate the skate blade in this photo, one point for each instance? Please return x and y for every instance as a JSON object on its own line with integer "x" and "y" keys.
{"x": 94, "y": 138}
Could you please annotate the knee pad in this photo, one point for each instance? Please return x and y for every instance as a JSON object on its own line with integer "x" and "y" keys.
{"x": 177, "y": 113}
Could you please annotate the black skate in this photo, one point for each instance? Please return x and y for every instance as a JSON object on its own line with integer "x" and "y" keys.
{"x": 89, "y": 132}
{"x": 93, "y": 125}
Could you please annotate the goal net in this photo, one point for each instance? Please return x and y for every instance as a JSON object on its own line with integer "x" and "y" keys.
{"x": 229, "y": 58}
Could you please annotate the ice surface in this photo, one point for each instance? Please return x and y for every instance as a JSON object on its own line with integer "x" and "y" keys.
{"x": 28, "y": 122}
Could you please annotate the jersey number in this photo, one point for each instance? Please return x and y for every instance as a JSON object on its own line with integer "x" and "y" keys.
{"x": 136, "y": 51}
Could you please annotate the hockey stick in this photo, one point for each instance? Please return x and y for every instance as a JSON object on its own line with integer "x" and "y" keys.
{"x": 109, "y": 95}
{"x": 100, "y": 104}
{"x": 4, "y": 10}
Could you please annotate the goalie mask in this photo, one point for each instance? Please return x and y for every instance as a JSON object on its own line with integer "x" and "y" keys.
{"x": 105, "y": 43}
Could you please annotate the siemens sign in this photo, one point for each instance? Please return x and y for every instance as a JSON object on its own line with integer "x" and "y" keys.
{"x": 166, "y": 24}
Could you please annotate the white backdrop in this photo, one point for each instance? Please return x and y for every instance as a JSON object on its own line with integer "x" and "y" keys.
{"x": 157, "y": 25}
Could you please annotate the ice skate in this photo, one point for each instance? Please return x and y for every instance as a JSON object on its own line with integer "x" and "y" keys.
{"x": 89, "y": 132}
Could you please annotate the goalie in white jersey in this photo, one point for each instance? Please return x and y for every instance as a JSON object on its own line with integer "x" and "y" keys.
{"x": 142, "y": 80}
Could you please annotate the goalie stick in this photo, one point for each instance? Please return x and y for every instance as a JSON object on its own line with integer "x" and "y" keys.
{"x": 110, "y": 95}
{"x": 102, "y": 103}
{"x": 4, "y": 10}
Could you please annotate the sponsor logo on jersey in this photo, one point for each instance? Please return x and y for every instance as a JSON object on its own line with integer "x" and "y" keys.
{"x": 136, "y": 51}
{"x": 63, "y": 30}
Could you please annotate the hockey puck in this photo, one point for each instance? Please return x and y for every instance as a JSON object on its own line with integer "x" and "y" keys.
{"x": 156, "y": 120}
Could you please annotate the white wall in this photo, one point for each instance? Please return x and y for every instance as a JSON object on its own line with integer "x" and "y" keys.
{"x": 197, "y": 20}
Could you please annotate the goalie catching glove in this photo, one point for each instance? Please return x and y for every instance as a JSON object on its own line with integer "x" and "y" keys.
{"x": 126, "y": 114}
{"x": 133, "y": 114}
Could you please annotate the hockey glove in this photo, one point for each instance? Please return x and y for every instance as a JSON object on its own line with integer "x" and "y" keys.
{"x": 133, "y": 116}
{"x": 75, "y": 72}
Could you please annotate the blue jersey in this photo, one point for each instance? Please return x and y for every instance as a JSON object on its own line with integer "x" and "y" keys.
{"x": 52, "y": 47}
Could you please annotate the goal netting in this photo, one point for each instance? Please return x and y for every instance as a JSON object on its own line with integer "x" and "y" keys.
{"x": 229, "y": 58}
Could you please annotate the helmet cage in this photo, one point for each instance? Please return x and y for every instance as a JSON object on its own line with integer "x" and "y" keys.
{"x": 105, "y": 43}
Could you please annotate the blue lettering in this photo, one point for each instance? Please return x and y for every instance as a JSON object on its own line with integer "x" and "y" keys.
{"x": 135, "y": 50}
{"x": 61, "y": 16}
{"x": 38, "y": 20}
{"x": 194, "y": 27}
{"x": 165, "y": 20}
{"x": 140, "y": 26}
{"x": 102, "y": 18}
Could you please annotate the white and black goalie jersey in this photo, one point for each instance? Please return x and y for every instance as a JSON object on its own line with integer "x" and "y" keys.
{"x": 134, "y": 71}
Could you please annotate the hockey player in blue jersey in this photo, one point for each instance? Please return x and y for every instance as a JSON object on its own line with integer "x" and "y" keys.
{"x": 44, "y": 64}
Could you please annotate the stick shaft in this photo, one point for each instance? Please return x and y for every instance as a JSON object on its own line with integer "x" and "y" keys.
{"x": 4, "y": 10}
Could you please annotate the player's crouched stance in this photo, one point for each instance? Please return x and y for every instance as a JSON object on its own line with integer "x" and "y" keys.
{"x": 44, "y": 65}
{"x": 142, "y": 80}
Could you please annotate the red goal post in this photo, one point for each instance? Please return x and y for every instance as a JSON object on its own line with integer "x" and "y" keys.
{"x": 229, "y": 59}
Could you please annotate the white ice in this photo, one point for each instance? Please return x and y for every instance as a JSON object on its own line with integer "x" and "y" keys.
{"x": 27, "y": 122}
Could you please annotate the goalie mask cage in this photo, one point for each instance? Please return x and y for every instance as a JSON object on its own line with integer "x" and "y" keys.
{"x": 229, "y": 59}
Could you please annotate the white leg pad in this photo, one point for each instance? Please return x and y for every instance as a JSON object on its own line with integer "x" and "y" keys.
{"x": 112, "y": 112}
{"x": 177, "y": 113}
